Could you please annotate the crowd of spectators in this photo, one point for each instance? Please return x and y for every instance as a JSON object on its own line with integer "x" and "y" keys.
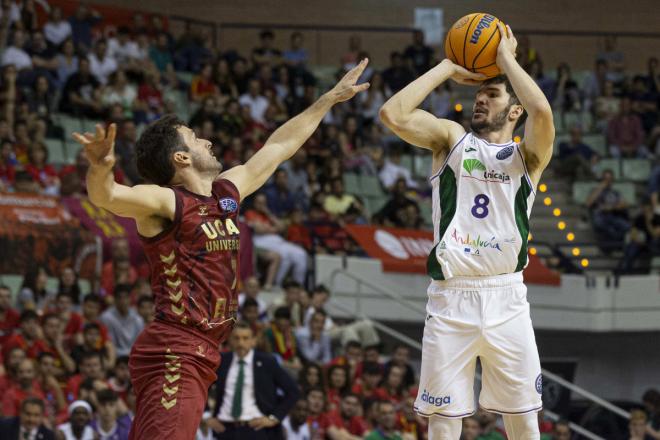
{"x": 64, "y": 353}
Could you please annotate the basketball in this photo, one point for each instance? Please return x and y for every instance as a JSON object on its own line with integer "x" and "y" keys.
{"x": 472, "y": 43}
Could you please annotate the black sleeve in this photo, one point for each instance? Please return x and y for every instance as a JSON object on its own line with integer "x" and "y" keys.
{"x": 289, "y": 387}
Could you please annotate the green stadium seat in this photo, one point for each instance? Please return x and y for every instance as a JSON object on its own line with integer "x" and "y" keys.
{"x": 637, "y": 170}
{"x": 351, "y": 183}
{"x": 611, "y": 164}
{"x": 407, "y": 161}
{"x": 375, "y": 204}
{"x": 597, "y": 142}
{"x": 423, "y": 165}
{"x": 627, "y": 190}
{"x": 581, "y": 191}
{"x": 370, "y": 186}
{"x": 655, "y": 265}
{"x": 426, "y": 211}
{"x": 89, "y": 125}
{"x": 13, "y": 282}
{"x": 56, "y": 152}
{"x": 68, "y": 123}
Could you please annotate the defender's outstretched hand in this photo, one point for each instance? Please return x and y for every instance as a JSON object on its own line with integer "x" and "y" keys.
{"x": 345, "y": 89}
{"x": 99, "y": 148}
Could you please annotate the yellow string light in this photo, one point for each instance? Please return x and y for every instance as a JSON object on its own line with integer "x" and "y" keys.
{"x": 584, "y": 262}
{"x": 532, "y": 251}
{"x": 543, "y": 187}
{"x": 547, "y": 201}
{"x": 561, "y": 225}
{"x": 556, "y": 212}
{"x": 570, "y": 236}
{"x": 458, "y": 107}
{"x": 516, "y": 139}
{"x": 576, "y": 251}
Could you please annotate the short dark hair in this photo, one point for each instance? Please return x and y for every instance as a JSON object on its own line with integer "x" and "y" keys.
{"x": 153, "y": 151}
{"x": 28, "y": 315}
{"x": 282, "y": 313}
{"x": 93, "y": 297}
{"x": 353, "y": 344}
{"x": 288, "y": 284}
{"x": 249, "y": 302}
{"x": 371, "y": 368}
{"x": 315, "y": 388}
{"x": 90, "y": 355}
{"x": 266, "y": 34}
{"x": 145, "y": 298}
{"x": 121, "y": 289}
{"x": 121, "y": 360}
{"x": 106, "y": 396}
{"x": 502, "y": 79}
{"x": 91, "y": 326}
{"x": 44, "y": 354}
{"x": 320, "y": 288}
{"x": 33, "y": 401}
{"x": 48, "y": 316}
{"x": 244, "y": 325}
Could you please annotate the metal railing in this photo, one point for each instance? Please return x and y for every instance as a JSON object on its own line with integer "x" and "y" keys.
{"x": 387, "y": 293}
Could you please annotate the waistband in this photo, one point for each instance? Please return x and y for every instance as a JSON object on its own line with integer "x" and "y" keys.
{"x": 486, "y": 282}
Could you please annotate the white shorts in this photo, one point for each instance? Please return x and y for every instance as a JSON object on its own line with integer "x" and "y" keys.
{"x": 485, "y": 317}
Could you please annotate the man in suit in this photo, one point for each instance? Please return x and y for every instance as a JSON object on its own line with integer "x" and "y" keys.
{"x": 254, "y": 394}
{"x": 28, "y": 425}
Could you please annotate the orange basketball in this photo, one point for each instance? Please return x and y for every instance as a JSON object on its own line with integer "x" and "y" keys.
{"x": 472, "y": 43}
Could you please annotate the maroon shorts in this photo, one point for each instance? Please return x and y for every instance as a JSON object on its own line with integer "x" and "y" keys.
{"x": 171, "y": 370}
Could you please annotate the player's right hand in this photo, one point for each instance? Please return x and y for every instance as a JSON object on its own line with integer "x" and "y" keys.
{"x": 99, "y": 148}
{"x": 463, "y": 76}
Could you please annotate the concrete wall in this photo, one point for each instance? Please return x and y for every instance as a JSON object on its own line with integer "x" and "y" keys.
{"x": 586, "y": 15}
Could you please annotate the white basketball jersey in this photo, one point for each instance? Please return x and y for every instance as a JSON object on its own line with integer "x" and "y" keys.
{"x": 482, "y": 199}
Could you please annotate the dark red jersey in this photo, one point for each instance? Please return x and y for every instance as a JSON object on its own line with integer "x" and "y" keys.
{"x": 194, "y": 262}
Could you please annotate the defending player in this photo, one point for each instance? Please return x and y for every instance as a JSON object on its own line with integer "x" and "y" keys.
{"x": 188, "y": 224}
{"x": 483, "y": 190}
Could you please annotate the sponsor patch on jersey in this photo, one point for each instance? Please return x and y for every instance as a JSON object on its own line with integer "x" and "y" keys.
{"x": 505, "y": 152}
{"x": 539, "y": 384}
{"x": 470, "y": 149}
{"x": 435, "y": 400}
{"x": 228, "y": 204}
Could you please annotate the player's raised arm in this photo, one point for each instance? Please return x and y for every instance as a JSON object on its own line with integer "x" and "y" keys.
{"x": 418, "y": 127}
{"x": 287, "y": 139}
{"x": 138, "y": 202}
{"x": 539, "y": 127}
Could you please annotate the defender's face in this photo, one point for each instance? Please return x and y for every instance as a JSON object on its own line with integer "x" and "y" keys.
{"x": 201, "y": 151}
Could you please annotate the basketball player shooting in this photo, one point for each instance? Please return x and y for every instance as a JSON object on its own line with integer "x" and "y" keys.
{"x": 187, "y": 220}
{"x": 483, "y": 189}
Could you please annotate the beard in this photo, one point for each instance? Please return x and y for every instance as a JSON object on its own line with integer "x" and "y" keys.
{"x": 206, "y": 163}
{"x": 485, "y": 126}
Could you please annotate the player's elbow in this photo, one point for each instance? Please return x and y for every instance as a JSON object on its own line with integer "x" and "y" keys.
{"x": 392, "y": 118}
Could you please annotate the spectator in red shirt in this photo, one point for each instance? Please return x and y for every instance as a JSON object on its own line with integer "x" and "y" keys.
{"x": 12, "y": 360}
{"x": 346, "y": 422}
{"x": 118, "y": 267}
{"x": 202, "y": 85}
{"x": 25, "y": 386}
{"x": 120, "y": 382}
{"x": 311, "y": 376}
{"x": 30, "y": 336}
{"x": 411, "y": 423}
{"x": 7, "y": 166}
{"x": 91, "y": 367}
{"x": 281, "y": 341}
{"x": 401, "y": 358}
{"x": 317, "y": 418}
{"x": 71, "y": 321}
{"x": 150, "y": 104}
{"x": 54, "y": 338}
{"x": 625, "y": 134}
{"x": 93, "y": 343}
{"x": 352, "y": 356}
{"x": 47, "y": 374}
{"x": 392, "y": 388}
{"x": 8, "y": 316}
{"x": 91, "y": 311}
{"x": 338, "y": 383}
{"x": 40, "y": 170}
{"x": 69, "y": 285}
{"x": 372, "y": 375}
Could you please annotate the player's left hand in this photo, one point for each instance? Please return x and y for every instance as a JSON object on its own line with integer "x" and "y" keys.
{"x": 346, "y": 88}
{"x": 261, "y": 423}
{"x": 508, "y": 43}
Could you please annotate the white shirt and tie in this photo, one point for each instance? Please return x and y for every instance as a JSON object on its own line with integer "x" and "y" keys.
{"x": 248, "y": 403}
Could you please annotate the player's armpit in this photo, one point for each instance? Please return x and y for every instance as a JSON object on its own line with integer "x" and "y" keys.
{"x": 141, "y": 201}
{"x": 538, "y": 143}
{"x": 422, "y": 129}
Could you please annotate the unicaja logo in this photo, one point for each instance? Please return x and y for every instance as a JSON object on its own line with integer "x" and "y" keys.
{"x": 433, "y": 400}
